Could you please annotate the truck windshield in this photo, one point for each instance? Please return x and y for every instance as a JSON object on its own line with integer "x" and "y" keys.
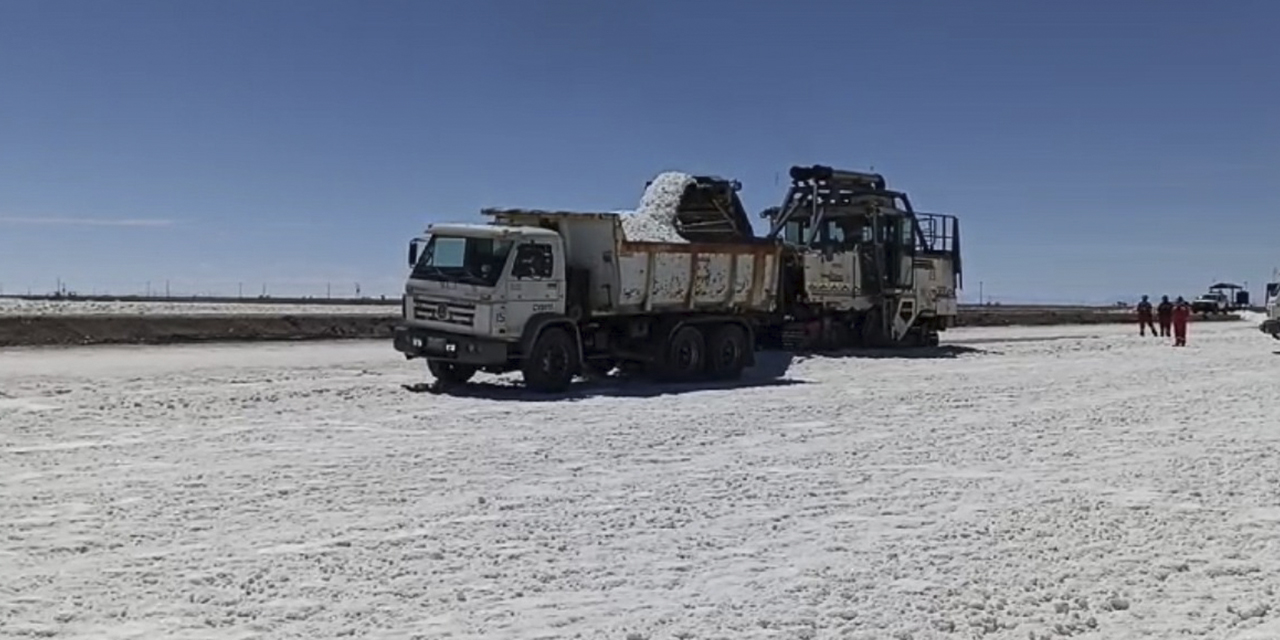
{"x": 461, "y": 259}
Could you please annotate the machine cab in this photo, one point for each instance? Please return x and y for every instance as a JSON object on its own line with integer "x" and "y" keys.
{"x": 855, "y": 237}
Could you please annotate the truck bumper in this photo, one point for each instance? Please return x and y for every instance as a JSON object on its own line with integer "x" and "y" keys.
{"x": 435, "y": 345}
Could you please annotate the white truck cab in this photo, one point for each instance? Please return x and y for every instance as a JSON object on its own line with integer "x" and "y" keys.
{"x": 473, "y": 287}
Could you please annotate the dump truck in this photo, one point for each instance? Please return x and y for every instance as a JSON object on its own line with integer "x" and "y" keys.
{"x": 555, "y": 294}
{"x": 861, "y": 267}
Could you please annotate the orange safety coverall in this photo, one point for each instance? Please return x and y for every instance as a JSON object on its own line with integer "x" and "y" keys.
{"x": 1181, "y": 315}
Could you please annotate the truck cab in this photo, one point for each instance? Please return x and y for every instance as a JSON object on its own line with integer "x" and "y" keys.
{"x": 472, "y": 288}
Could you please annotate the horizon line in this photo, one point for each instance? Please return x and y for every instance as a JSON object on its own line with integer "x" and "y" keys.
{"x": 88, "y": 222}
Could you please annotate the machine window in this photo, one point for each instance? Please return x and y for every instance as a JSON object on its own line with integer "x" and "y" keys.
{"x": 794, "y": 232}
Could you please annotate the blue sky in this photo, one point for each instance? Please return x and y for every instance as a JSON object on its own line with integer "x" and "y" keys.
{"x": 1093, "y": 150}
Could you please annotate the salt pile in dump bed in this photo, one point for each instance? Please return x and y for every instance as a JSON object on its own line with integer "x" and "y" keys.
{"x": 655, "y": 220}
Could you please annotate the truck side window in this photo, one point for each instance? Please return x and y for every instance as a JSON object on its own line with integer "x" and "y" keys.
{"x": 533, "y": 261}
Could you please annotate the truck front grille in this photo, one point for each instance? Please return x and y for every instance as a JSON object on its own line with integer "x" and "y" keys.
{"x": 450, "y": 311}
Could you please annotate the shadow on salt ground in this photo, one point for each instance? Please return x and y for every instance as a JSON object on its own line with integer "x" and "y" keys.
{"x": 942, "y": 352}
{"x": 768, "y": 371}
{"x": 1010, "y": 339}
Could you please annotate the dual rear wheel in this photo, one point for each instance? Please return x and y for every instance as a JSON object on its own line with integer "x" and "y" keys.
{"x": 713, "y": 352}
{"x": 693, "y": 352}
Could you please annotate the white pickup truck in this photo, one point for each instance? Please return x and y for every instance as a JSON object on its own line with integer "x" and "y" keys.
{"x": 1213, "y": 302}
{"x": 558, "y": 294}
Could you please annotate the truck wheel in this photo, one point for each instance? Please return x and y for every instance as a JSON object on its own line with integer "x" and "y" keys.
{"x": 684, "y": 357}
{"x": 921, "y": 336}
{"x": 550, "y": 366}
{"x": 727, "y": 352}
{"x": 871, "y": 329}
{"x": 450, "y": 372}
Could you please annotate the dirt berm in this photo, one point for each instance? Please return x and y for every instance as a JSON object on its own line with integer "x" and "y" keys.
{"x": 1049, "y": 316}
{"x": 122, "y": 329}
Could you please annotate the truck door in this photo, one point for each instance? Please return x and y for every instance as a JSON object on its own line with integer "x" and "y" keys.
{"x": 907, "y": 272}
{"x": 899, "y": 242}
{"x": 537, "y": 283}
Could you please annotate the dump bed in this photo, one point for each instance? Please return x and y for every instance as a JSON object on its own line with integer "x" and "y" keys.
{"x": 628, "y": 278}
{"x": 696, "y": 277}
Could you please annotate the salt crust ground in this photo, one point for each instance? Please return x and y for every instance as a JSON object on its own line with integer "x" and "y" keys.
{"x": 20, "y": 307}
{"x": 1060, "y": 482}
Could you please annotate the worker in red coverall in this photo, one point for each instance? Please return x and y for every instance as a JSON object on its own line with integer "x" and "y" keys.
{"x": 1145, "y": 318}
{"x": 1181, "y": 315}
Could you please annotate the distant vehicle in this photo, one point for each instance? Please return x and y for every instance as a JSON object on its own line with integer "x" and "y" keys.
{"x": 1271, "y": 325}
{"x": 1221, "y": 298}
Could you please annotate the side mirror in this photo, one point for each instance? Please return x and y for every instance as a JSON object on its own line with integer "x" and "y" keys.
{"x": 413, "y": 253}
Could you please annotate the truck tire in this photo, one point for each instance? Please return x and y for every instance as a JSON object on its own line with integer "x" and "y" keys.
{"x": 921, "y": 336}
{"x": 450, "y": 373}
{"x": 550, "y": 365}
{"x": 871, "y": 332}
{"x": 726, "y": 352}
{"x": 684, "y": 356}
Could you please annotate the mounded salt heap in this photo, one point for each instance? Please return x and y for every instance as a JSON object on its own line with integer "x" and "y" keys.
{"x": 655, "y": 219}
